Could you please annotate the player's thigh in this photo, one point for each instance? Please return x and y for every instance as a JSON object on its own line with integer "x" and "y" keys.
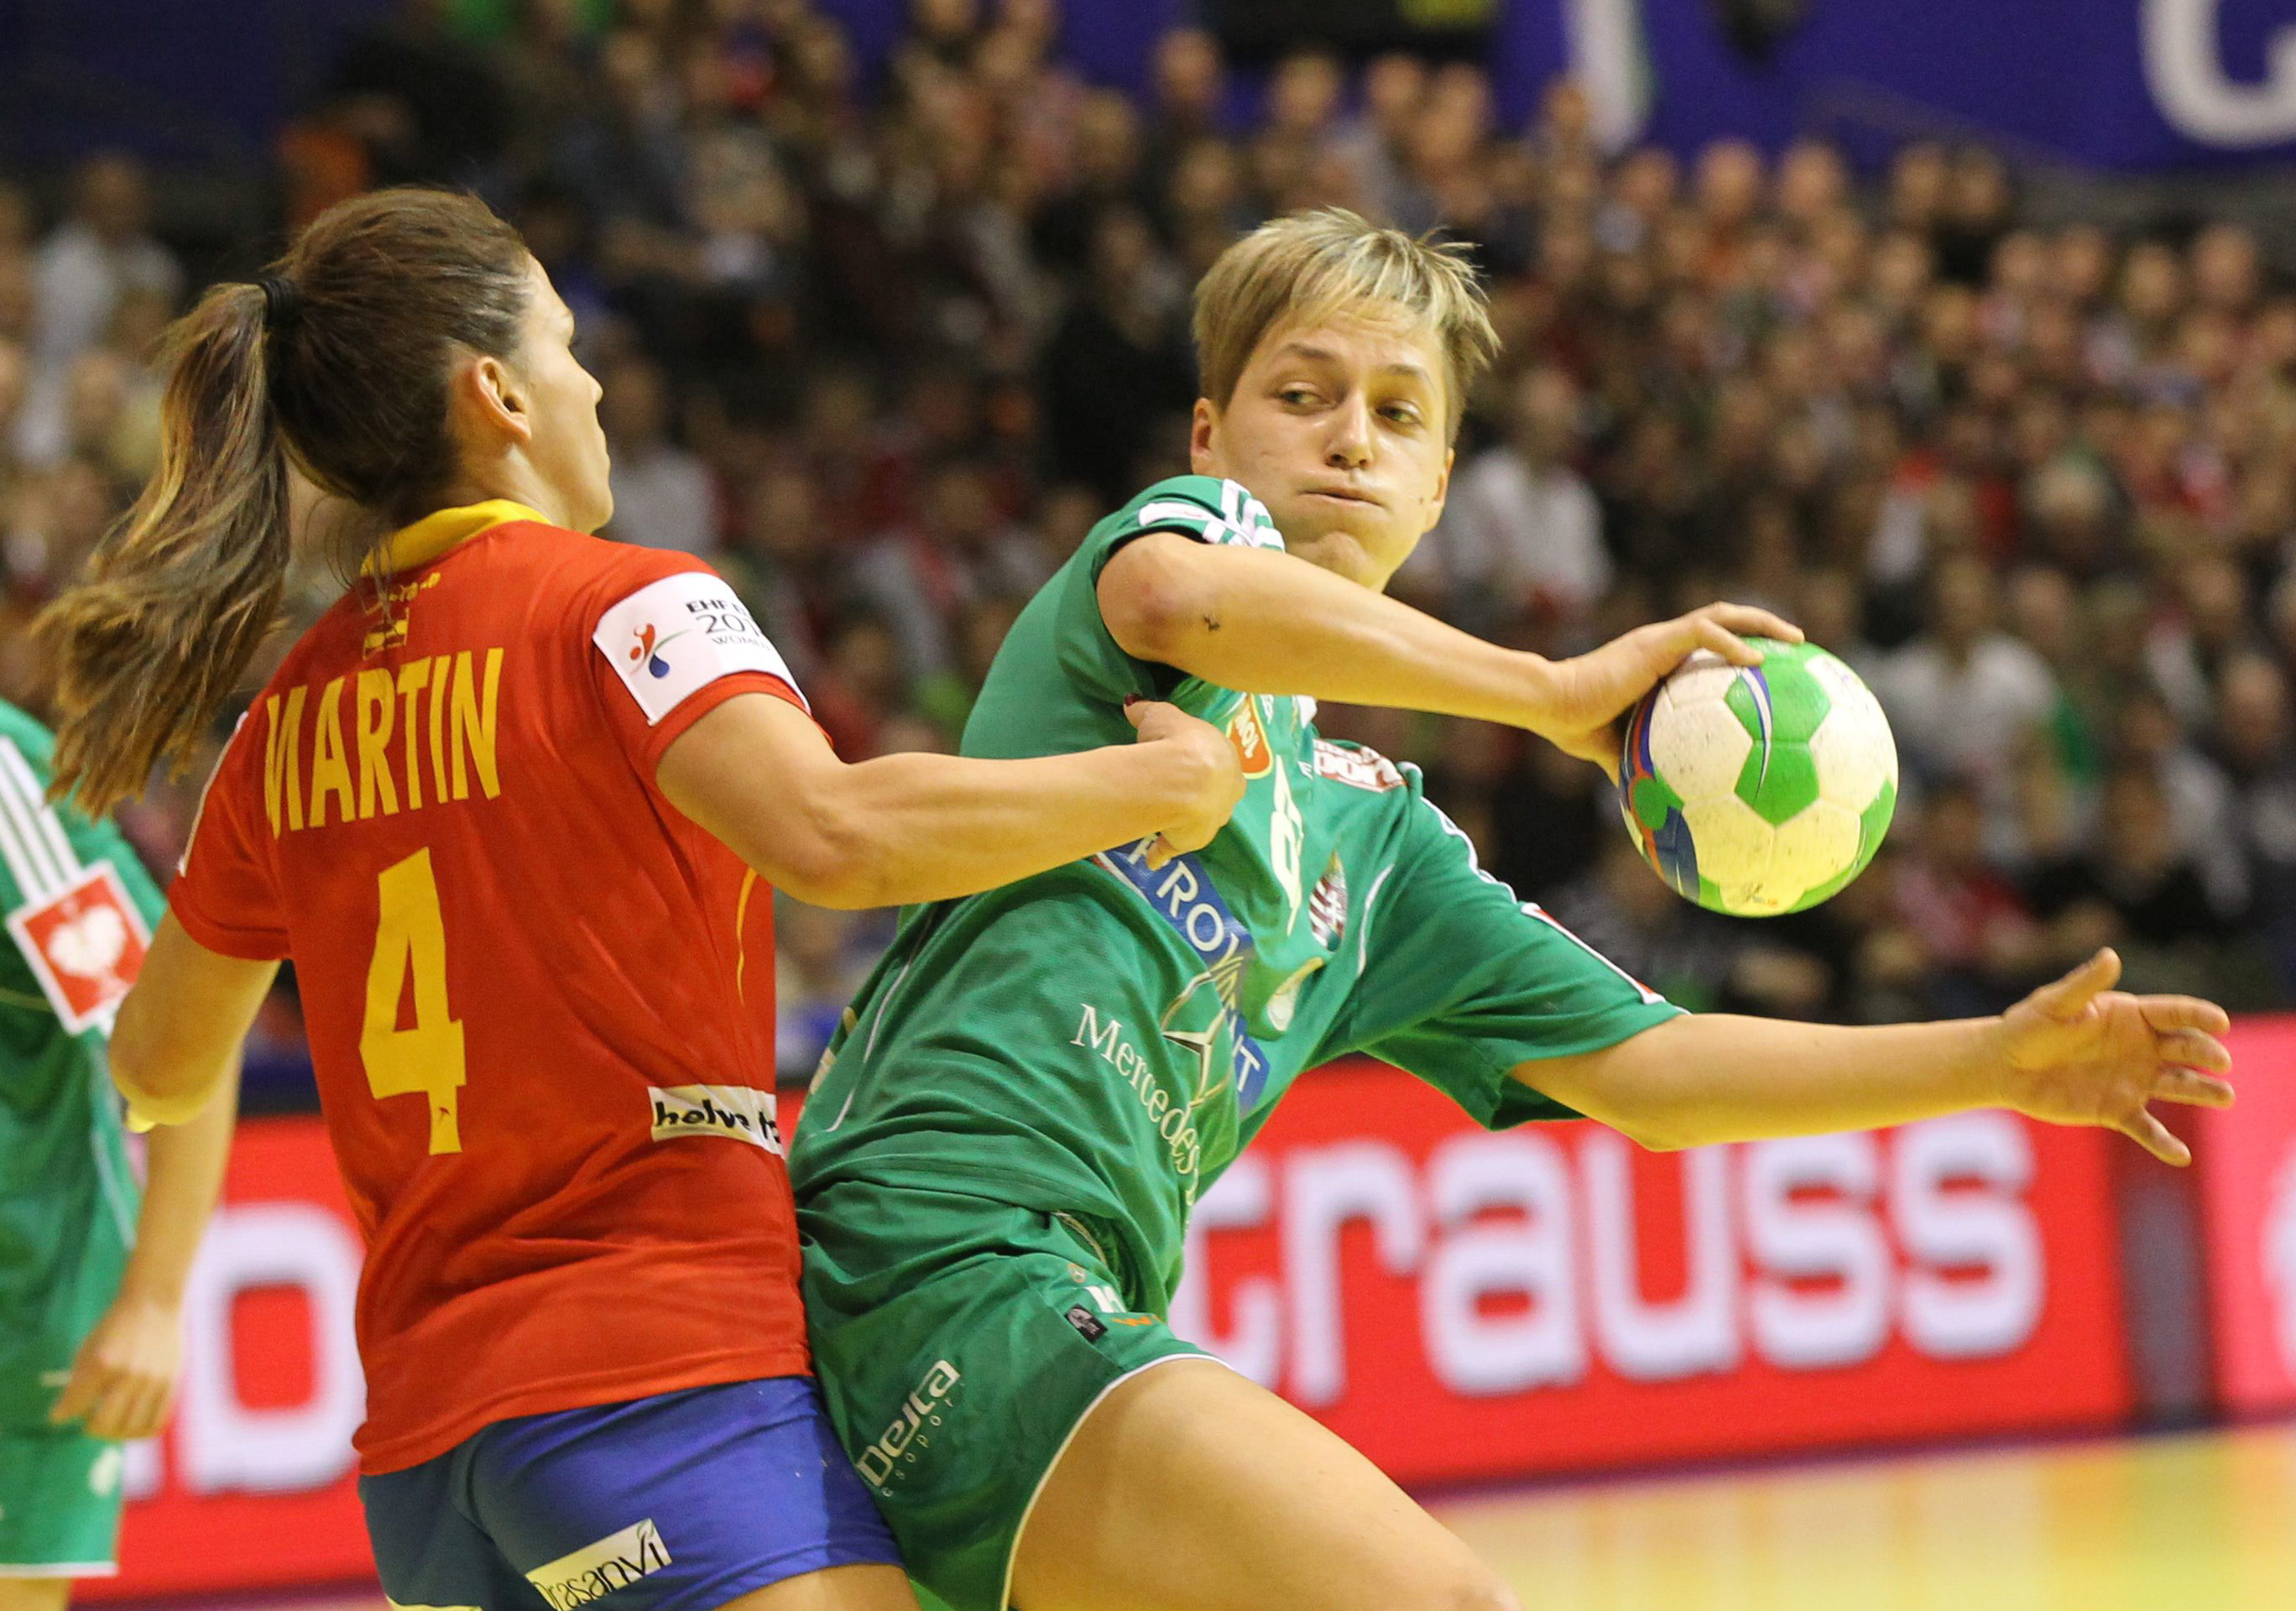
{"x": 1189, "y": 1488}
{"x": 34, "y": 1593}
{"x": 837, "y": 1589}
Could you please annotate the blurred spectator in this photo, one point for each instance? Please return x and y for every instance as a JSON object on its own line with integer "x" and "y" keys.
{"x": 662, "y": 494}
{"x": 1965, "y": 700}
{"x": 102, "y": 253}
{"x": 1521, "y": 534}
{"x": 426, "y": 107}
{"x": 921, "y": 576}
{"x": 1119, "y": 363}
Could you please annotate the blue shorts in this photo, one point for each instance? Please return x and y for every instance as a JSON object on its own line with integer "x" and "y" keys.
{"x": 678, "y": 1502}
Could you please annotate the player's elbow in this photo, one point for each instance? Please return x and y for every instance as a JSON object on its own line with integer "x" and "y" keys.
{"x": 1155, "y": 599}
{"x": 1653, "y": 1136}
{"x": 824, "y": 853}
{"x": 146, "y": 1071}
{"x": 830, "y": 867}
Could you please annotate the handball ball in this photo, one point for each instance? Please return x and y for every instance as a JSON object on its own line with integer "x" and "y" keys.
{"x": 1759, "y": 789}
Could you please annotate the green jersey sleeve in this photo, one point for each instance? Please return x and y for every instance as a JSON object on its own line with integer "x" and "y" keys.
{"x": 1462, "y": 983}
{"x": 1060, "y": 640}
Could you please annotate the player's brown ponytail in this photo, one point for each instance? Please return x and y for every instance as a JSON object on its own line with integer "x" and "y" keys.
{"x": 339, "y": 357}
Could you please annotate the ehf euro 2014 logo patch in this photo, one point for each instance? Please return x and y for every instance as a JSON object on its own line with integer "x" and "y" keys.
{"x": 679, "y": 635}
{"x": 85, "y": 944}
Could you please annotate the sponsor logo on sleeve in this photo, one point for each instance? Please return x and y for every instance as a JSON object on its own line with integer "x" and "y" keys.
{"x": 928, "y": 1402}
{"x": 85, "y": 943}
{"x": 743, "y": 1113}
{"x": 597, "y": 1570}
{"x": 681, "y": 634}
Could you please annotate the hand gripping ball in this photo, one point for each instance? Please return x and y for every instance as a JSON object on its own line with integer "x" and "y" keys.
{"x": 1759, "y": 789}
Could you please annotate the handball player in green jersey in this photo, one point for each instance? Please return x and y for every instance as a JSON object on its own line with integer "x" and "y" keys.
{"x": 91, "y": 1288}
{"x": 997, "y": 1166}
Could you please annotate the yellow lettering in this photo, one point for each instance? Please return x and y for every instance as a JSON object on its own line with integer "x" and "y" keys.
{"x": 411, "y": 676}
{"x": 282, "y": 769}
{"x": 374, "y": 716}
{"x": 331, "y": 771}
{"x": 474, "y": 723}
{"x": 442, "y": 670}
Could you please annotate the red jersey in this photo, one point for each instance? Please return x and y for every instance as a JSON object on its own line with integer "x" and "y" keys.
{"x": 540, "y": 1000}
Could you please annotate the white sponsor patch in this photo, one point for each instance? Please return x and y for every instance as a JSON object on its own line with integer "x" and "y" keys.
{"x": 742, "y": 1112}
{"x": 1358, "y": 768}
{"x": 593, "y": 1572}
{"x": 681, "y": 634}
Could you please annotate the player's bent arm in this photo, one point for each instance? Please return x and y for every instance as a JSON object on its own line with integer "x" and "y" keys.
{"x": 1263, "y": 622}
{"x": 758, "y": 775}
{"x": 1260, "y": 621}
{"x": 177, "y": 1042}
{"x": 2073, "y": 1052}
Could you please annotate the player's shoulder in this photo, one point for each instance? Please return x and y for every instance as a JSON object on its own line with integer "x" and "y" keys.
{"x": 1205, "y": 507}
{"x": 32, "y": 740}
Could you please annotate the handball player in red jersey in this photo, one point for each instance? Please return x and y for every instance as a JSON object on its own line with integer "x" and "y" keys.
{"x": 513, "y": 807}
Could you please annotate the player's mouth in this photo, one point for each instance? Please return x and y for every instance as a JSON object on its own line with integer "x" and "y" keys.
{"x": 1350, "y": 496}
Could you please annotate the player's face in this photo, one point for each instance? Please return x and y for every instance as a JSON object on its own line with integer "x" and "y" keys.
{"x": 1342, "y": 429}
{"x": 567, "y": 447}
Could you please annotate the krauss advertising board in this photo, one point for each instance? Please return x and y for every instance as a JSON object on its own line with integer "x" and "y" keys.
{"x": 1461, "y": 1306}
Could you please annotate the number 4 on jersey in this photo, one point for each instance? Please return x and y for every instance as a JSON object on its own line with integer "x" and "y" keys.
{"x": 427, "y": 1060}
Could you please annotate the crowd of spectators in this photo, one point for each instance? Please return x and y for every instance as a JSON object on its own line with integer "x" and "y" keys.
{"x": 883, "y": 351}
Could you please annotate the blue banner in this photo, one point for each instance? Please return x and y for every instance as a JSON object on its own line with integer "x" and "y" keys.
{"x": 2109, "y": 84}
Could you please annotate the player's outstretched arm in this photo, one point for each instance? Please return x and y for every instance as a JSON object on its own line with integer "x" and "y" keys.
{"x": 177, "y": 1043}
{"x": 756, "y": 774}
{"x": 2073, "y": 1052}
{"x": 1263, "y": 622}
{"x": 124, "y": 1378}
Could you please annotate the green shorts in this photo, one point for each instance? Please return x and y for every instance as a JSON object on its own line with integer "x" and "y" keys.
{"x": 959, "y": 1342}
{"x": 59, "y": 1503}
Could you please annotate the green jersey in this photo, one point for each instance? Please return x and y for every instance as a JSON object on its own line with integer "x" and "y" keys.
{"x": 79, "y": 908}
{"x": 1103, "y": 1040}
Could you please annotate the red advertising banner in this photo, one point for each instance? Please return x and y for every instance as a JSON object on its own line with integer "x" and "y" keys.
{"x": 1459, "y": 1305}
{"x": 1462, "y": 1305}
{"x": 2247, "y": 1161}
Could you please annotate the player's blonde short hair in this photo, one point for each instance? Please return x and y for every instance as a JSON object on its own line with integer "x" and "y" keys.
{"x": 1308, "y": 268}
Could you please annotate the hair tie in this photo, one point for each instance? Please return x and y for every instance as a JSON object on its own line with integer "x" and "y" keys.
{"x": 282, "y": 303}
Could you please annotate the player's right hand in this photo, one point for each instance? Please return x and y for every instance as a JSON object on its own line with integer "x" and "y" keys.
{"x": 1208, "y": 775}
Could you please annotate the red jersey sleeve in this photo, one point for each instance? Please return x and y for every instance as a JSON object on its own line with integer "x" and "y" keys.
{"x": 673, "y": 643}
{"x": 225, "y": 894}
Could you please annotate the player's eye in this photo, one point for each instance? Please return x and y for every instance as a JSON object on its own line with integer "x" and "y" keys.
{"x": 1402, "y": 414}
{"x": 1297, "y": 397}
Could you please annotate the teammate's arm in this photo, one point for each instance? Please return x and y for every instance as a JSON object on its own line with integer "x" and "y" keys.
{"x": 1261, "y": 621}
{"x": 176, "y": 1045}
{"x": 2073, "y": 1052}
{"x": 125, "y": 1376}
{"x": 756, "y": 773}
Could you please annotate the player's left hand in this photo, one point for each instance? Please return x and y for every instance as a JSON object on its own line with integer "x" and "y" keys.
{"x": 124, "y": 1380}
{"x": 2080, "y": 1052}
{"x": 1578, "y": 710}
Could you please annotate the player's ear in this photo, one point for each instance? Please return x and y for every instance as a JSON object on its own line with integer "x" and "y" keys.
{"x": 1442, "y": 491}
{"x": 495, "y": 397}
{"x": 1203, "y": 426}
